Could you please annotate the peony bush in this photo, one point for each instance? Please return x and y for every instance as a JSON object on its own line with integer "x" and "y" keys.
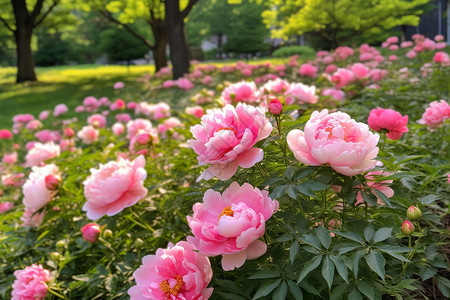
{"x": 311, "y": 179}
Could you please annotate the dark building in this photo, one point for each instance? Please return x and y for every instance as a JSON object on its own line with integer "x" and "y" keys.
{"x": 433, "y": 22}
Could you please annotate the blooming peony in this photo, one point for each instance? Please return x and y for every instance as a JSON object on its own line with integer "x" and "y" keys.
{"x": 88, "y": 134}
{"x": 30, "y": 283}
{"x": 240, "y": 92}
{"x": 308, "y": 70}
{"x": 60, "y": 109}
{"x": 5, "y": 206}
{"x": 119, "y": 85}
{"x": 35, "y": 190}
{"x": 136, "y": 126}
{"x": 390, "y": 120}
{"x": 177, "y": 272}
{"x": 441, "y": 58}
{"x": 5, "y": 134}
{"x": 10, "y": 158}
{"x": 118, "y": 128}
{"x": 40, "y": 153}
{"x": 335, "y": 139}
{"x": 301, "y": 93}
{"x": 225, "y": 139}
{"x": 436, "y": 114}
{"x": 114, "y": 186}
{"x": 97, "y": 120}
{"x": 196, "y": 111}
{"x": 31, "y": 218}
{"x": 230, "y": 224}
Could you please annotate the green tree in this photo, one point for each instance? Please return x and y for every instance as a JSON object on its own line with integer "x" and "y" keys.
{"x": 339, "y": 21}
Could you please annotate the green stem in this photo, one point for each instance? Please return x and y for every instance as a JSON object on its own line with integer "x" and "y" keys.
{"x": 56, "y": 294}
{"x": 262, "y": 171}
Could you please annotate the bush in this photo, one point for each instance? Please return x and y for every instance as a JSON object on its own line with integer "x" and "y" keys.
{"x": 287, "y": 51}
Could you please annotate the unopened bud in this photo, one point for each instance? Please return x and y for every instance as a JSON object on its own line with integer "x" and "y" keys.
{"x": 91, "y": 232}
{"x": 107, "y": 234}
{"x": 52, "y": 182}
{"x": 139, "y": 242}
{"x": 275, "y": 107}
{"x": 69, "y": 133}
{"x": 61, "y": 245}
{"x": 55, "y": 256}
{"x": 144, "y": 139}
{"x": 407, "y": 228}
{"x": 413, "y": 213}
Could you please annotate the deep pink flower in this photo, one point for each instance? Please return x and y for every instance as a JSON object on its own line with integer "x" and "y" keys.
{"x": 114, "y": 186}
{"x": 175, "y": 273}
{"x": 230, "y": 224}
{"x": 335, "y": 139}
{"x": 91, "y": 232}
{"x": 40, "y": 153}
{"x": 196, "y": 111}
{"x": 308, "y": 70}
{"x": 390, "y": 120}
{"x": 5, "y": 134}
{"x": 168, "y": 84}
{"x": 5, "y": 206}
{"x": 184, "y": 84}
{"x": 30, "y": 283}
{"x": 393, "y": 57}
{"x": 45, "y": 136}
{"x": 35, "y": 190}
{"x": 330, "y": 69}
{"x": 441, "y": 58}
{"x": 436, "y": 114}
{"x": 360, "y": 71}
{"x": 225, "y": 139}
{"x": 275, "y": 107}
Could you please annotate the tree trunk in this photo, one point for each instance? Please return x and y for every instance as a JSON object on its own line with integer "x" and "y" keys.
{"x": 159, "y": 50}
{"x": 25, "y": 61}
{"x": 178, "y": 46}
{"x": 219, "y": 45}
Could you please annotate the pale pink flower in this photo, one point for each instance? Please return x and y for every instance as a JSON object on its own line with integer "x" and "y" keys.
{"x": 30, "y": 145}
{"x": 14, "y": 180}
{"x": 35, "y": 191}
{"x": 67, "y": 145}
{"x": 114, "y": 186}
{"x": 360, "y": 71}
{"x": 207, "y": 80}
{"x": 196, "y": 111}
{"x": 143, "y": 138}
{"x": 88, "y": 134}
{"x": 335, "y": 93}
{"x": 439, "y": 38}
{"x": 184, "y": 84}
{"x": 441, "y": 45}
{"x": 90, "y": 232}
{"x": 230, "y": 224}
{"x": 390, "y": 120}
{"x": 10, "y": 158}
{"x": 132, "y": 105}
{"x": 118, "y": 129}
{"x": 342, "y": 77}
{"x": 168, "y": 84}
{"x": 366, "y": 56}
{"x": 300, "y": 93}
{"x": 393, "y": 57}
{"x": 40, "y": 153}
{"x": 406, "y": 44}
{"x": 60, "y": 109}
{"x": 411, "y": 54}
{"x": 392, "y": 40}
{"x": 393, "y": 47}
{"x": 436, "y": 114}
{"x": 30, "y": 283}
{"x": 377, "y": 74}
{"x": 308, "y": 70}
{"x": 5, "y": 206}
{"x": 246, "y": 72}
{"x": 119, "y": 85}
{"x": 45, "y": 136}
{"x": 31, "y": 218}
{"x": 240, "y": 92}
{"x": 33, "y": 125}
{"x": 225, "y": 139}
{"x": 79, "y": 108}
{"x": 335, "y": 139}
{"x": 134, "y": 127}
{"x": 177, "y": 272}
{"x": 97, "y": 121}
{"x": 278, "y": 86}
{"x": 44, "y": 115}
{"x": 23, "y": 118}
{"x": 103, "y": 101}
{"x": 169, "y": 124}
{"x": 123, "y": 118}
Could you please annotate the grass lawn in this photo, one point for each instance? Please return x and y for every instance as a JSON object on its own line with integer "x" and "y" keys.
{"x": 70, "y": 85}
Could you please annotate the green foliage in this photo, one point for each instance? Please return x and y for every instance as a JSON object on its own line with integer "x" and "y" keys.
{"x": 287, "y": 51}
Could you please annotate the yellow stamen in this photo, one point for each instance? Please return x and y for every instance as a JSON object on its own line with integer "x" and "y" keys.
{"x": 165, "y": 286}
{"x": 227, "y": 211}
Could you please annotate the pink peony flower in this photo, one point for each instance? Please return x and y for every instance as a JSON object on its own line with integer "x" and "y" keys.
{"x": 91, "y": 232}
{"x": 360, "y": 71}
{"x": 441, "y": 58}
{"x": 177, "y": 272}
{"x": 207, "y": 80}
{"x": 114, "y": 186}
{"x": 300, "y": 93}
{"x": 30, "y": 283}
{"x": 184, "y": 84}
{"x": 240, "y": 92}
{"x": 119, "y": 85}
{"x": 330, "y": 69}
{"x": 411, "y": 54}
{"x": 308, "y": 70}
{"x": 196, "y": 111}
{"x": 118, "y": 129}
{"x": 123, "y": 118}
{"x": 439, "y": 38}
{"x": 33, "y": 125}
{"x": 60, "y": 109}
{"x": 436, "y": 114}
{"x": 390, "y": 120}
{"x": 393, "y": 57}
{"x": 88, "y": 134}
{"x": 10, "y": 158}
{"x": 278, "y": 86}
{"x": 44, "y": 115}
{"x": 31, "y": 218}
{"x": 168, "y": 84}
{"x": 14, "y": 180}
{"x": 171, "y": 122}
{"x": 275, "y": 107}
{"x": 5, "y": 206}
{"x": 342, "y": 77}
{"x": 225, "y": 139}
{"x": 97, "y": 121}
{"x": 441, "y": 45}
{"x": 335, "y": 139}
{"x": 35, "y": 191}
{"x": 45, "y": 136}
{"x": 230, "y": 224}
{"x": 132, "y": 105}
{"x": 5, "y": 134}
{"x": 79, "y": 108}
{"x": 137, "y": 126}
{"x": 40, "y": 153}
{"x": 392, "y": 40}
{"x": 24, "y": 118}
{"x": 335, "y": 93}
{"x": 406, "y": 44}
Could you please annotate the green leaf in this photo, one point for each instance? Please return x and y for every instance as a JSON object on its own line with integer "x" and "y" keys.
{"x": 294, "y": 290}
{"x": 366, "y": 289}
{"x": 350, "y": 235}
{"x": 383, "y": 197}
{"x": 315, "y": 185}
{"x": 284, "y": 238}
{"x": 311, "y": 240}
{"x": 393, "y": 254}
{"x": 278, "y": 192}
{"x": 293, "y": 250}
{"x": 427, "y": 272}
{"x": 230, "y": 296}
{"x": 347, "y": 247}
{"x": 444, "y": 286}
{"x": 303, "y": 173}
{"x": 376, "y": 262}
{"x": 289, "y": 172}
{"x": 266, "y": 288}
{"x": 292, "y": 191}
{"x": 340, "y": 267}
{"x": 356, "y": 257}
{"x": 396, "y": 249}
{"x": 324, "y": 236}
{"x": 369, "y": 198}
{"x": 407, "y": 182}
{"x": 354, "y": 295}
{"x": 338, "y": 291}
{"x": 309, "y": 266}
{"x": 428, "y": 199}
{"x": 281, "y": 292}
{"x": 382, "y": 234}
{"x": 309, "y": 288}
{"x": 328, "y": 271}
{"x": 407, "y": 284}
{"x": 264, "y": 274}
{"x": 369, "y": 232}
{"x": 305, "y": 190}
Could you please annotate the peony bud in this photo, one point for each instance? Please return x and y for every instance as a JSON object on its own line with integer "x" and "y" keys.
{"x": 61, "y": 245}
{"x": 69, "y": 133}
{"x": 413, "y": 213}
{"x": 55, "y": 256}
{"x": 407, "y": 228}
{"x": 91, "y": 232}
{"x": 107, "y": 234}
{"x": 52, "y": 182}
{"x": 144, "y": 139}
{"x": 275, "y": 107}
{"x": 5, "y": 134}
